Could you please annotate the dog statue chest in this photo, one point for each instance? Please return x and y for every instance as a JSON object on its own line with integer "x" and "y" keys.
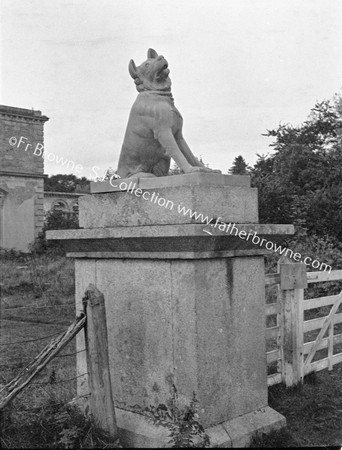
{"x": 151, "y": 113}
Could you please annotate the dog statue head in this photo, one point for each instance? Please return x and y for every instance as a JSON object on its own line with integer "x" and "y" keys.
{"x": 151, "y": 75}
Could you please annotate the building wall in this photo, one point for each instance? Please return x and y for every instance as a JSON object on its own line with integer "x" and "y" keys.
{"x": 21, "y": 176}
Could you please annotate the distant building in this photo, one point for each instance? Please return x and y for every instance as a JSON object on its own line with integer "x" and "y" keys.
{"x": 63, "y": 201}
{"x": 21, "y": 176}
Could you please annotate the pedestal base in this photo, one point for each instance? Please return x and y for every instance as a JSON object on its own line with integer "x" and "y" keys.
{"x": 179, "y": 327}
{"x": 138, "y": 432}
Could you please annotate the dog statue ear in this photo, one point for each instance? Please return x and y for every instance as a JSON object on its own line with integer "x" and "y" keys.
{"x": 151, "y": 54}
{"x": 132, "y": 69}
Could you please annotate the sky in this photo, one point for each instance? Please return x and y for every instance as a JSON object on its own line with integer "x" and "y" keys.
{"x": 238, "y": 68}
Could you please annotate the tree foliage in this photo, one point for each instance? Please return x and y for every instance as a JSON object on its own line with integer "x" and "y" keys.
{"x": 54, "y": 220}
{"x": 60, "y": 220}
{"x": 301, "y": 182}
{"x": 65, "y": 183}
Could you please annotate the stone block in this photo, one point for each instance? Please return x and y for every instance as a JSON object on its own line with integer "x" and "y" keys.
{"x": 201, "y": 330}
{"x": 136, "y": 431}
{"x": 218, "y": 437}
{"x": 169, "y": 205}
{"x": 218, "y": 346}
{"x": 241, "y": 430}
{"x": 139, "y": 330}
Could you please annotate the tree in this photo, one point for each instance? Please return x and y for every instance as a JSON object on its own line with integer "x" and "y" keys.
{"x": 239, "y": 167}
{"x": 54, "y": 220}
{"x": 301, "y": 182}
{"x": 64, "y": 183}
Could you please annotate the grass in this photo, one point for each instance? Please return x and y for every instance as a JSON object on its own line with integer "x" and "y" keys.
{"x": 55, "y": 427}
{"x": 38, "y": 301}
{"x": 49, "y": 276}
{"x": 313, "y": 412}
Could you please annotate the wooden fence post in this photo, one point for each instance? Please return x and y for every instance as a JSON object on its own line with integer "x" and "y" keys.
{"x": 96, "y": 339}
{"x": 291, "y": 297}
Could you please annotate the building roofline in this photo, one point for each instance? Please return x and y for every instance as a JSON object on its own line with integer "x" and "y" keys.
{"x": 22, "y": 174}
{"x": 30, "y": 114}
{"x": 61, "y": 194}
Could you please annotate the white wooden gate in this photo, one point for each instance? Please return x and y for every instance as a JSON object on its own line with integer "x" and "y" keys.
{"x": 294, "y": 357}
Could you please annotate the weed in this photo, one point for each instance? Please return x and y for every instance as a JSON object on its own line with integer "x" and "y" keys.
{"x": 185, "y": 429}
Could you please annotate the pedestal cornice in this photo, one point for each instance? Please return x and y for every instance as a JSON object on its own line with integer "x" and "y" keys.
{"x": 192, "y": 240}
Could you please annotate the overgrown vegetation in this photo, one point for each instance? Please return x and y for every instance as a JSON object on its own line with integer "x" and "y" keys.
{"x": 66, "y": 183}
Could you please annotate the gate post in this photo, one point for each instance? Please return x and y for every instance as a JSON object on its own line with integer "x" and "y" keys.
{"x": 101, "y": 398}
{"x": 291, "y": 295}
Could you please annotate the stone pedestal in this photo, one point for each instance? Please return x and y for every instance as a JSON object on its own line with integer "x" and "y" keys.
{"x": 185, "y": 300}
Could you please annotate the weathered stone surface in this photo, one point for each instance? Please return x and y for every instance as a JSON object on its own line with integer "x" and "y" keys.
{"x": 136, "y": 431}
{"x": 139, "y": 330}
{"x": 189, "y": 179}
{"x": 219, "y": 337}
{"x": 218, "y": 437}
{"x": 200, "y": 330}
{"x": 241, "y": 430}
{"x": 169, "y": 205}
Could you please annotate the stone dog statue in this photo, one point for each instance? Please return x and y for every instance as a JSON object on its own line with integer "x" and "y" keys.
{"x": 154, "y": 130}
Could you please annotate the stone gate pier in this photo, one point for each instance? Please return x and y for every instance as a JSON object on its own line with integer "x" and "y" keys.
{"x": 185, "y": 300}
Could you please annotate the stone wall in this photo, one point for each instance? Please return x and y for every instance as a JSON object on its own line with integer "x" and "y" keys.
{"x": 21, "y": 176}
